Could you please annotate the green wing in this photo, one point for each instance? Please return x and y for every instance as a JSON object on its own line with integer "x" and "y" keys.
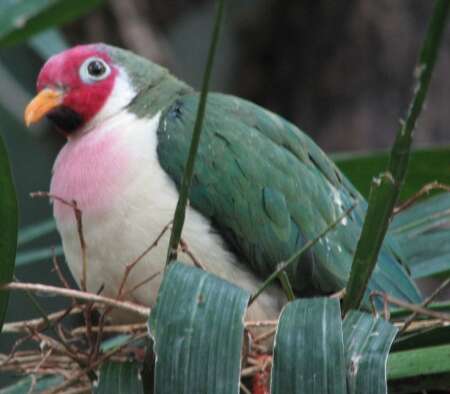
{"x": 268, "y": 188}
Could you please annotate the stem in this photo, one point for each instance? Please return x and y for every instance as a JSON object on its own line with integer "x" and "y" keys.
{"x": 284, "y": 265}
{"x": 180, "y": 212}
{"x": 80, "y": 295}
{"x": 386, "y": 189}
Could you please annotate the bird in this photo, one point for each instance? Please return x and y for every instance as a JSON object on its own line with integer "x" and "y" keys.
{"x": 261, "y": 187}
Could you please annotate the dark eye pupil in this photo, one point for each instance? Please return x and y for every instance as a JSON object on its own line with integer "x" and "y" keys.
{"x": 96, "y": 68}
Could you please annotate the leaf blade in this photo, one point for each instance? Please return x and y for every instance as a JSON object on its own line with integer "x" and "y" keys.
{"x": 8, "y": 227}
{"x": 120, "y": 378}
{"x": 367, "y": 341}
{"x": 197, "y": 326}
{"x": 19, "y": 21}
{"x": 309, "y": 327}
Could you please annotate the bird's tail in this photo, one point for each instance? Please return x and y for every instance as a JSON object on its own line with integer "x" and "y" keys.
{"x": 422, "y": 233}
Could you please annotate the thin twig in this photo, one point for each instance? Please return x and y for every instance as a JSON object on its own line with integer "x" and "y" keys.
{"x": 79, "y": 222}
{"x": 424, "y": 190}
{"x": 81, "y": 295}
{"x": 282, "y": 266}
{"x": 265, "y": 335}
{"x": 58, "y": 271}
{"x": 412, "y": 307}
{"x": 185, "y": 249}
{"x": 129, "y": 267}
{"x": 92, "y": 366}
{"x": 244, "y": 388}
{"x": 39, "y": 323}
{"x": 117, "y": 329}
{"x": 422, "y": 324}
{"x": 142, "y": 283}
{"x": 260, "y": 323}
{"x": 425, "y": 303}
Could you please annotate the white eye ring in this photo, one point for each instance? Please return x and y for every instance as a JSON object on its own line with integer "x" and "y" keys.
{"x": 94, "y": 69}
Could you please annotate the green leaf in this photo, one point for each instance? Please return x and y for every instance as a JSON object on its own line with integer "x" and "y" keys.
{"x": 36, "y": 255}
{"x": 48, "y": 43}
{"x": 386, "y": 188}
{"x": 423, "y": 338}
{"x": 24, "y": 385}
{"x": 120, "y": 378}
{"x": 197, "y": 326}
{"x": 20, "y": 19}
{"x": 8, "y": 227}
{"x": 421, "y": 231}
{"x": 381, "y": 201}
{"x": 419, "y": 362}
{"x": 180, "y": 211}
{"x": 308, "y": 351}
{"x": 367, "y": 341}
{"x": 399, "y": 313}
{"x": 35, "y": 231}
{"x": 425, "y": 166}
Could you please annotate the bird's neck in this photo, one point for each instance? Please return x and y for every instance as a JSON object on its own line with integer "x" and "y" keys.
{"x": 94, "y": 168}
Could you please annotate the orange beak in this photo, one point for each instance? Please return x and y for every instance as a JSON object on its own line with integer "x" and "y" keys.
{"x": 41, "y": 105}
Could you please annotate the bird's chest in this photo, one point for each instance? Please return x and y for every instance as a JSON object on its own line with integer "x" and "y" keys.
{"x": 113, "y": 175}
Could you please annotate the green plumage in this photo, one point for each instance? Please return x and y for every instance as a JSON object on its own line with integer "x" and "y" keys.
{"x": 268, "y": 188}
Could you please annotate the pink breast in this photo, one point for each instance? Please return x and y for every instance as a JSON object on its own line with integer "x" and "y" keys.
{"x": 90, "y": 170}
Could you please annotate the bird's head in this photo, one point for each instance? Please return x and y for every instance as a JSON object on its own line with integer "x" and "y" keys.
{"x": 88, "y": 83}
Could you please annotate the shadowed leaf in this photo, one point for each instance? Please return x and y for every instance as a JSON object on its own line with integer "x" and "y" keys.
{"x": 197, "y": 325}
{"x": 367, "y": 341}
{"x": 8, "y": 227}
{"x": 119, "y": 378}
{"x": 21, "y": 19}
{"x": 308, "y": 351}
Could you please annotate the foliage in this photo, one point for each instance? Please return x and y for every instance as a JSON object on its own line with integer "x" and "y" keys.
{"x": 21, "y": 19}
{"x": 8, "y": 228}
{"x": 386, "y": 187}
{"x": 198, "y": 323}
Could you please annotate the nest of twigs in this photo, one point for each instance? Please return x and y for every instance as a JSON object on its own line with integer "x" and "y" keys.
{"x": 75, "y": 354}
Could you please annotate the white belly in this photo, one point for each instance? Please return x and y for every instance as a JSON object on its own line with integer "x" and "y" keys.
{"x": 125, "y": 209}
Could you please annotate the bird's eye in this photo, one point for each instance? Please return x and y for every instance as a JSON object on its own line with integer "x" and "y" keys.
{"x": 94, "y": 69}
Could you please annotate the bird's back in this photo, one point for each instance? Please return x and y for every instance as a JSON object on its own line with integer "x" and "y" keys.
{"x": 268, "y": 188}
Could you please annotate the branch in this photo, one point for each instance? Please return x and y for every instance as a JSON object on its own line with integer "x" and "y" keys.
{"x": 80, "y": 295}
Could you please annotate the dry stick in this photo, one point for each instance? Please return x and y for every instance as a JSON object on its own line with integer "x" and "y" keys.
{"x": 260, "y": 323}
{"x": 266, "y": 335}
{"x": 21, "y": 326}
{"x": 424, "y": 190}
{"x": 17, "y": 343}
{"x": 185, "y": 249}
{"x": 79, "y": 221}
{"x": 244, "y": 388}
{"x": 32, "y": 333}
{"x": 338, "y": 295}
{"x": 260, "y": 367}
{"x": 59, "y": 346}
{"x": 427, "y": 301}
{"x": 412, "y": 307}
{"x": 117, "y": 329}
{"x": 93, "y": 365}
{"x": 142, "y": 283}
{"x": 129, "y": 267}
{"x": 120, "y": 294}
{"x": 80, "y": 295}
{"x": 422, "y": 324}
{"x": 83, "y": 281}
{"x": 282, "y": 266}
{"x": 60, "y": 274}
